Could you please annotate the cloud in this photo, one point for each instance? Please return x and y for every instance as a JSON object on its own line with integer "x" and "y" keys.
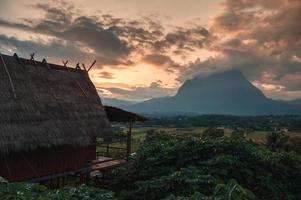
{"x": 106, "y": 75}
{"x": 268, "y": 87}
{"x": 155, "y": 89}
{"x": 162, "y": 61}
{"x": 258, "y": 38}
{"x": 54, "y": 49}
{"x": 109, "y": 39}
{"x": 183, "y": 40}
{"x": 85, "y": 32}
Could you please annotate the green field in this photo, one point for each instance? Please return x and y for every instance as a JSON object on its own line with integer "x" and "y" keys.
{"x": 139, "y": 133}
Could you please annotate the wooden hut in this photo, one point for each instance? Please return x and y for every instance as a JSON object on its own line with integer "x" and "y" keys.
{"x": 50, "y": 116}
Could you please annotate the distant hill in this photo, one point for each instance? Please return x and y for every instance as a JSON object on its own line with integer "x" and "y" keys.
{"x": 297, "y": 101}
{"x": 223, "y": 93}
{"x": 116, "y": 102}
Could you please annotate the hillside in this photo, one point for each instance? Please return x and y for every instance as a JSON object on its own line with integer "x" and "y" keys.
{"x": 223, "y": 93}
{"x": 116, "y": 102}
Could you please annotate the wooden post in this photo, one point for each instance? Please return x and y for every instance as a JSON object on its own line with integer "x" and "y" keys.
{"x": 51, "y": 182}
{"x": 84, "y": 66}
{"x": 107, "y": 151}
{"x": 63, "y": 181}
{"x": 129, "y": 141}
{"x": 58, "y": 182}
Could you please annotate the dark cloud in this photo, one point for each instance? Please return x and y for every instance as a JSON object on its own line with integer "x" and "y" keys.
{"x": 109, "y": 39}
{"x": 53, "y": 50}
{"x": 162, "y": 61}
{"x": 184, "y": 40}
{"x": 83, "y": 31}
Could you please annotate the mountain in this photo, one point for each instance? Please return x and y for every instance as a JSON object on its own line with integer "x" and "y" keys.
{"x": 296, "y": 102}
{"x": 223, "y": 93}
{"x": 116, "y": 102}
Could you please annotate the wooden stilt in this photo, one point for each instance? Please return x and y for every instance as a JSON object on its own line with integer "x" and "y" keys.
{"x": 103, "y": 177}
{"x": 51, "y": 182}
{"x": 63, "y": 181}
{"x": 57, "y": 182}
{"x": 107, "y": 150}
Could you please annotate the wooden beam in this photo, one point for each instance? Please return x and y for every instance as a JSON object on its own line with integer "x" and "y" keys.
{"x": 83, "y": 91}
{"x": 65, "y": 63}
{"x": 129, "y": 141}
{"x": 92, "y": 65}
{"x": 9, "y": 77}
{"x": 77, "y": 83}
{"x": 32, "y": 58}
{"x": 84, "y": 66}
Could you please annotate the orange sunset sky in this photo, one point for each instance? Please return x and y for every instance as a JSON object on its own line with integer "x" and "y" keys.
{"x": 146, "y": 49}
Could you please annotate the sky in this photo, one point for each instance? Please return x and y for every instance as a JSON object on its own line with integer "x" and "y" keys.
{"x": 146, "y": 49}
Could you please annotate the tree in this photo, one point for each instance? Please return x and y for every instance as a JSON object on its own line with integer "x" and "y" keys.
{"x": 276, "y": 140}
{"x": 213, "y": 133}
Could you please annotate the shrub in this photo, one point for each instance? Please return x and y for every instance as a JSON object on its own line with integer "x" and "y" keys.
{"x": 170, "y": 166}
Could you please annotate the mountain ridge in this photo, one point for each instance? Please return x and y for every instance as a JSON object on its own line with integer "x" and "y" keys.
{"x": 227, "y": 92}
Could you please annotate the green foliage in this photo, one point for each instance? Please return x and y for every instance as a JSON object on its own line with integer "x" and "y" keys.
{"x": 233, "y": 191}
{"x": 238, "y": 133}
{"x": 186, "y": 167}
{"x": 294, "y": 144}
{"x": 27, "y": 191}
{"x": 213, "y": 133}
{"x": 229, "y": 191}
{"x": 276, "y": 140}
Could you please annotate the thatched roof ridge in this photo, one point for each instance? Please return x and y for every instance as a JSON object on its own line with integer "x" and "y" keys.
{"x": 54, "y": 106}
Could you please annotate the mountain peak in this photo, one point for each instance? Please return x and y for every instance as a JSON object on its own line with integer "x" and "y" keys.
{"x": 222, "y": 82}
{"x": 230, "y": 75}
{"x": 227, "y": 92}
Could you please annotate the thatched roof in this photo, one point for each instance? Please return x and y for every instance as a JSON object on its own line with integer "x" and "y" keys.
{"x": 118, "y": 115}
{"x": 45, "y": 105}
